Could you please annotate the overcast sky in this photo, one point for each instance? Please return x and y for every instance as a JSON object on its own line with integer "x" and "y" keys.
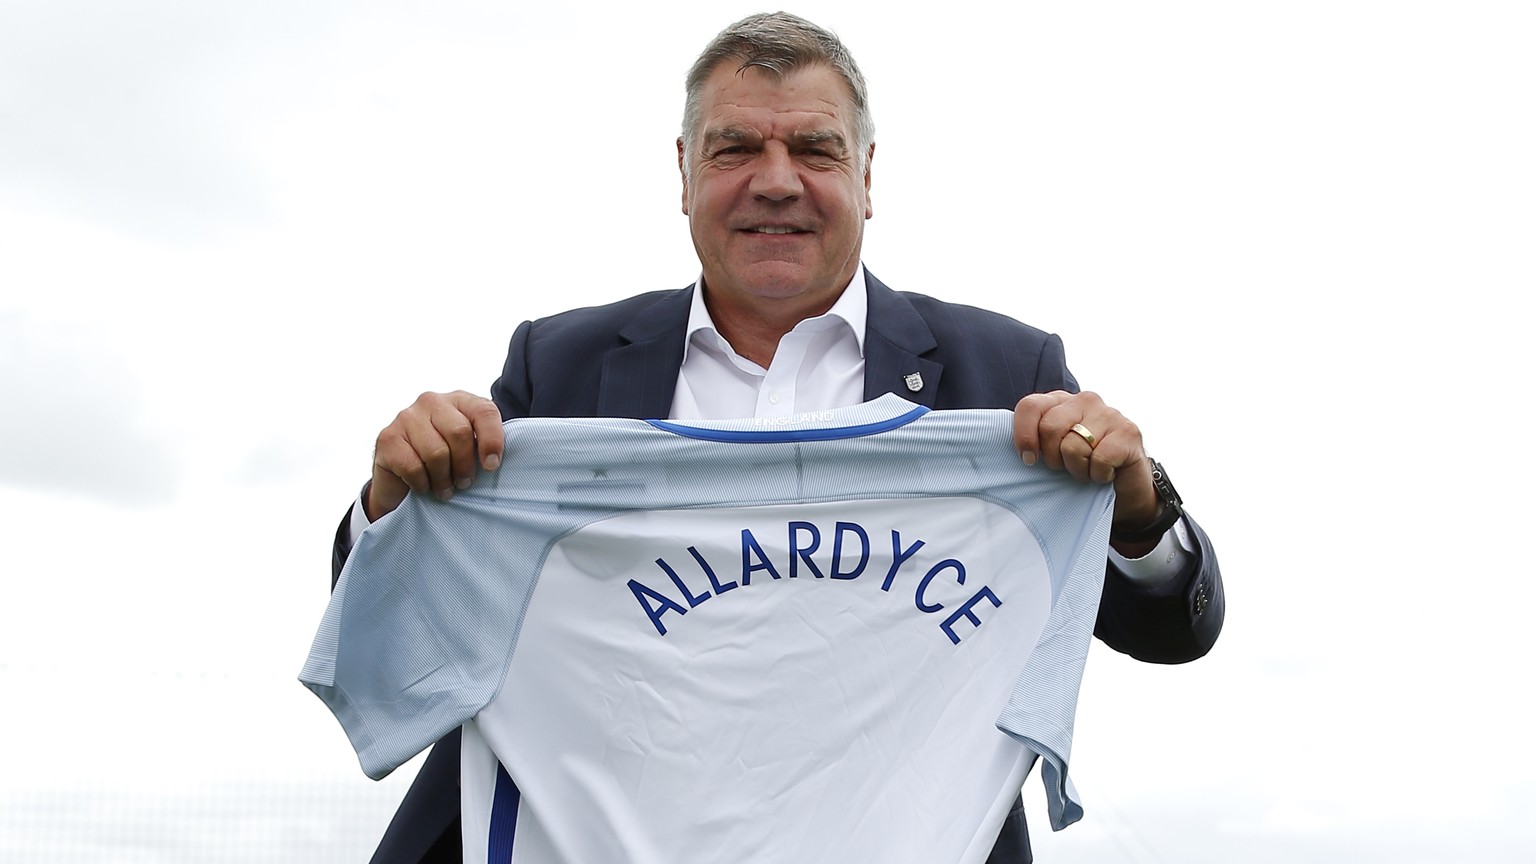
{"x": 1294, "y": 242}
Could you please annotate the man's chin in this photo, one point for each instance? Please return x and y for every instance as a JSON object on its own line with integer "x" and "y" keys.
{"x": 784, "y": 279}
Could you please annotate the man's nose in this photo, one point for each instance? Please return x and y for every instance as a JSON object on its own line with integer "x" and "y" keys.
{"x": 777, "y": 177}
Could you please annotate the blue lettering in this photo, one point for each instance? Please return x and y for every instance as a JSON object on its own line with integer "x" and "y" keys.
{"x": 693, "y": 601}
{"x": 922, "y": 586}
{"x": 849, "y": 557}
{"x": 837, "y": 550}
{"x": 709, "y": 571}
{"x": 797, "y": 554}
{"x": 749, "y": 547}
{"x": 663, "y": 604}
{"x": 965, "y": 612}
{"x": 898, "y": 557}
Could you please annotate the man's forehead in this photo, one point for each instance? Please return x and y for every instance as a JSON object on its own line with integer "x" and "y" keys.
{"x": 733, "y": 94}
{"x": 809, "y": 133}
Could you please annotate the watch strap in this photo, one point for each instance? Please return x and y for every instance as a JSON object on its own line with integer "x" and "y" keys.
{"x": 1172, "y": 510}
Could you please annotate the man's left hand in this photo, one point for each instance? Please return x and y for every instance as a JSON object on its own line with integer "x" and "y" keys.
{"x": 1093, "y": 442}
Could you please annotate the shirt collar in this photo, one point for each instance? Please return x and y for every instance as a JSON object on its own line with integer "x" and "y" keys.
{"x": 851, "y": 309}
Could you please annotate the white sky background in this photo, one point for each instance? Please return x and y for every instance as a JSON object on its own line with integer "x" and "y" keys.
{"x": 1292, "y": 241}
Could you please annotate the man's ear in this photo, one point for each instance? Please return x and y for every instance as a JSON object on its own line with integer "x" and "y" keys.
{"x": 869, "y": 161}
{"x": 684, "y": 173}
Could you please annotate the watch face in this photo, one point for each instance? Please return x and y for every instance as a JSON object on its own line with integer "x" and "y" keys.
{"x": 1164, "y": 486}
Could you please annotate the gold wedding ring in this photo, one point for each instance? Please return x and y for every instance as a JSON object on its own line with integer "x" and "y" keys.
{"x": 1087, "y": 436}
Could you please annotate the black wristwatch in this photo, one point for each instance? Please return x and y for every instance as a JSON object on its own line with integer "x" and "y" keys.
{"x": 1173, "y": 509}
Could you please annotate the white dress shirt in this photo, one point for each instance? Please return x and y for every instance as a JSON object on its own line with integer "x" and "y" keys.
{"x": 818, "y": 365}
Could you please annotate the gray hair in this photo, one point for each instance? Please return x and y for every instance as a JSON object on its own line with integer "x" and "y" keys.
{"x": 778, "y": 43}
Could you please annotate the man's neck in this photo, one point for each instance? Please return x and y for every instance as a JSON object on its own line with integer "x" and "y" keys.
{"x": 756, "y": 335}
{"x": 754, "y": 329}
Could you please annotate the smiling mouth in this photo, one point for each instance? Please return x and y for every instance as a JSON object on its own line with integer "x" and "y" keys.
{"x": 775, "y": 229}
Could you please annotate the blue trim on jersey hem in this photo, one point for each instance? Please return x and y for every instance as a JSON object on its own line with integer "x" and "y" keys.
{"x": 503, "y": 818}
{"x": 770, "y": 436}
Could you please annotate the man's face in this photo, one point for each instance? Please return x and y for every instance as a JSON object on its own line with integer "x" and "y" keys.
{"x": 775, "y": 195}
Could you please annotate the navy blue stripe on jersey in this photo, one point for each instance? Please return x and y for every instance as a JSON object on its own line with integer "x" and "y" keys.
{"x": 503, "y": 818}
{"x": 771, "y": 436}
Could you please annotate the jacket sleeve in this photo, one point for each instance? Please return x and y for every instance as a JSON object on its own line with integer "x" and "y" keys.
{"x": 1173, "y": 622}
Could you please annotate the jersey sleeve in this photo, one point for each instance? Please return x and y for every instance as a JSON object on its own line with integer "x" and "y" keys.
{"x": 417, "y": 635}
{"x": 1041, "y": 708}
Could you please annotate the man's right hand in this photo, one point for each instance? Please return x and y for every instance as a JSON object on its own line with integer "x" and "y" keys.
{"x": 433, "y": 447}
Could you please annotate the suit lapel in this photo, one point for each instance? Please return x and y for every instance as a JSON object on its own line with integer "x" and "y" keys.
{"x": 640, "y": 376}
{"x": 894, "y": 338}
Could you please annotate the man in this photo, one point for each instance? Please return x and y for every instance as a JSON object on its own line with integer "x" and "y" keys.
{"x": 775, "y": 159}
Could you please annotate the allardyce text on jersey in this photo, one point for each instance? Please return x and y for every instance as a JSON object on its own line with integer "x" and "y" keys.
{"x": 846, "y": 560}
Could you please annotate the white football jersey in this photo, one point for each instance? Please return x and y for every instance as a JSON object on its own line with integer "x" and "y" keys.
{"x": 841, "y": 636}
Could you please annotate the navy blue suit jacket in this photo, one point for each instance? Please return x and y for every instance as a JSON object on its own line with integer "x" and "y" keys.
{"x": 622, "y": 360}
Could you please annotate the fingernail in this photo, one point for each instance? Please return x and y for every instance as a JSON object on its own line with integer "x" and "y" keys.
{"x": 1028, "y": 456}
{"x": 492, "y": 462}
{"x": 444, "y": 494}
{"x": 463, "y": 482}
